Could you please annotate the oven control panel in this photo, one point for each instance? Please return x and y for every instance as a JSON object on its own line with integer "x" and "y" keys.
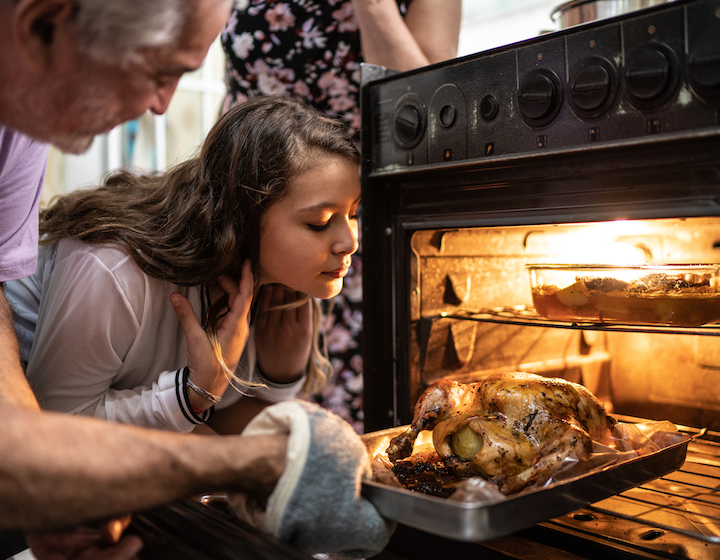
{"x": 640, "y": 77}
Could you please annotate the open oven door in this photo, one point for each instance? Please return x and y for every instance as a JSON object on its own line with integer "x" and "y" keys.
{"x": 190, "y": 530}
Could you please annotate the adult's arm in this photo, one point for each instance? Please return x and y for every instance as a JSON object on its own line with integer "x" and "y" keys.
{"x": 428, "y": 33}
{"x": 22, "y": 174}
{"x": 14, "y": 388}
{"x": 59, "y": 470}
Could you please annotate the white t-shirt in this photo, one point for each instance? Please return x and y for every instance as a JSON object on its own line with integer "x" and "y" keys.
{"x": 101, "y": 338}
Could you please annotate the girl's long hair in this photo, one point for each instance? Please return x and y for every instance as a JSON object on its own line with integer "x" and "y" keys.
{"x": 201, "y": 218}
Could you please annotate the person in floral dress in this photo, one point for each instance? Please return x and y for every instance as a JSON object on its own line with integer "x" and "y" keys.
{"x": 312, "y": 50}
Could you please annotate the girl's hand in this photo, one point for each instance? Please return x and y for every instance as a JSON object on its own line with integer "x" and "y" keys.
{"x": 283, "y": 337}
{"x": 205, "y": 368}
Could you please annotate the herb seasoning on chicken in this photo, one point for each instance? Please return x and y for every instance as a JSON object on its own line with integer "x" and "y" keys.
{"x": 514, "y": 429}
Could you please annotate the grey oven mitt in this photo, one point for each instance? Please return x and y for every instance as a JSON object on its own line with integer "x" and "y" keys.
{"x": 316, "y": 505}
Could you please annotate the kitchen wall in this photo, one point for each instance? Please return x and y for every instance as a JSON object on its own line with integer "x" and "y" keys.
{"x": 154, "y": 142}
{"x": 494, "y": 23}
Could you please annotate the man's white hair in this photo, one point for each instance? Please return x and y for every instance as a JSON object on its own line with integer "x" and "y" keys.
{"x": 116, "y": 29}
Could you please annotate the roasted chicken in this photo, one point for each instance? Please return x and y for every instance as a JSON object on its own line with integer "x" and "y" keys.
{"x": 514, "y": 429}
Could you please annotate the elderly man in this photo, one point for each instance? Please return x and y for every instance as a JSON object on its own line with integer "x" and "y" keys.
{"x": 69, "y": 70}
{"x": 72, "y": 70}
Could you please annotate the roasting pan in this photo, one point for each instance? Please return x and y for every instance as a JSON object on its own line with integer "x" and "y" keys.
{"x": 484, "y": 520}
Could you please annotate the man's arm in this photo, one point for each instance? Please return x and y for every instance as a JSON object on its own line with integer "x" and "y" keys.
{"x": 14, "y": 388}
{"x": 59, "y": 470}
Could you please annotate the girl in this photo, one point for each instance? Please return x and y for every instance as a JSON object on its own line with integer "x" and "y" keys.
{"x": 275, "y": 187}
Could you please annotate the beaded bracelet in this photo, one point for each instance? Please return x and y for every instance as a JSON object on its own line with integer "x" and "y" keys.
{"x": 207, "y": 395}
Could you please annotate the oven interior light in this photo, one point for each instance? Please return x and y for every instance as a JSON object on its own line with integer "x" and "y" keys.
{"x": 611, "y": 253}
{"x": 620, "y": 243}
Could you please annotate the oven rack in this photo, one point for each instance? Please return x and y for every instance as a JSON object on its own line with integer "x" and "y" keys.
{"x": 527, "y": 316}
{"x": 675, "y": 516}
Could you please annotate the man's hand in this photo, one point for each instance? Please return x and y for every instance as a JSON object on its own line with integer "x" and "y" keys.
{"x": 84, "y": 543}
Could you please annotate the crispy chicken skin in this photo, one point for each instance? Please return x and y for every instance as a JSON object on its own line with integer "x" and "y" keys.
{"x": 515, "y": 429}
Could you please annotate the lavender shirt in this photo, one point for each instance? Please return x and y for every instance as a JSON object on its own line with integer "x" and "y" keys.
{"x": 22, "y": 173}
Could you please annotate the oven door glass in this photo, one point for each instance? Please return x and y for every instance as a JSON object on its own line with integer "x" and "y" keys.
{"x": 526, "y": 298}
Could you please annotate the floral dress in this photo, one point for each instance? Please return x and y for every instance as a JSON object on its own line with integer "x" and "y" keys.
{"x": 309, "y": 49}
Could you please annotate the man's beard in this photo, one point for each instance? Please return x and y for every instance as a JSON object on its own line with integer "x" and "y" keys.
{"x": 39, "y": 116}
{"x": 73, "y": 145}
{"x": 78, "y": 137}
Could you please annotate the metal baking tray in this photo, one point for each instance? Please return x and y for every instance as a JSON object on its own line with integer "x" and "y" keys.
{"x": 479, "y": 521}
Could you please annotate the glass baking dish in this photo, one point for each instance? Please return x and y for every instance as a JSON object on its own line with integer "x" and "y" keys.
{"x": 671, "y": 294}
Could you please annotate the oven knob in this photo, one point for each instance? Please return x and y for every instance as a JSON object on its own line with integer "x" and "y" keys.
{"x": 703, "y": 66}
{"x": 593, "y": 86}
{"x": 540, "y": 97}
{"x": 651, "y": 75}
{"x": 488, "y": 107}
{"x": 447, "y": 116}
{"x": 409, "y": 123}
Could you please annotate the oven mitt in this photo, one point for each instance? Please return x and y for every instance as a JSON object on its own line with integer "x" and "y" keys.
{"x": 316, "y": 505}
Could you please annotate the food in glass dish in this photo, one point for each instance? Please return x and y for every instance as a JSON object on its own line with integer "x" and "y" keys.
{"x": 673, "y": 295}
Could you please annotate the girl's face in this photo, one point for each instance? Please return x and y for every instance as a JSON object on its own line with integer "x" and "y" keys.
{"x": 307, "y": 238}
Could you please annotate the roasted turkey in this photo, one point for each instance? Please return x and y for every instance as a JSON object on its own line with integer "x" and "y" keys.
{"x": 514, "y": 429}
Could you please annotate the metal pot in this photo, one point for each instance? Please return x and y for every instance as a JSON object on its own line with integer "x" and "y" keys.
{"x": 582, "y": 11}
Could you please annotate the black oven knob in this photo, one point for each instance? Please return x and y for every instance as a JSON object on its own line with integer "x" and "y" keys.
{"x": 447, "y": 116}
{"x": 489, "y": 107}
{"x": 540, "y": 97}
{"x": 409, "y": 122}
{"x": 592, "y": 87}
{"x": 703, "y": 65}
{"x": 651, "y": 75}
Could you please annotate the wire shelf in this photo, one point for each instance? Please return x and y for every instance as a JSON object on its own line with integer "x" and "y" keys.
{"x": 528, "y": 317}
{"x": 675, "y": 516}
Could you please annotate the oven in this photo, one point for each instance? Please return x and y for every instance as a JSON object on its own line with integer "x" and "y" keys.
{"x": 595, "y": 145}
